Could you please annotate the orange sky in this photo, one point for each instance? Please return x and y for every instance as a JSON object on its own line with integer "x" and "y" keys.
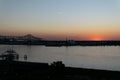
{"x": 52, "y": 19}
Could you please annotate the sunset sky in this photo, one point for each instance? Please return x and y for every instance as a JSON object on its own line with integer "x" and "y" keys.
{"x": 61, "y": 19}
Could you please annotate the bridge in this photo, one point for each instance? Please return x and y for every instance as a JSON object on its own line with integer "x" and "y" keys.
{"x": 20, "y": 38}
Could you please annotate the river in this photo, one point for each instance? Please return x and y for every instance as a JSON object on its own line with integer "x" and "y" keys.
{"x": 96, "y": 57}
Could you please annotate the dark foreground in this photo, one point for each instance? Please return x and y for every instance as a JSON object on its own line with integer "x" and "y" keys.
{"x": 16, "y": 70}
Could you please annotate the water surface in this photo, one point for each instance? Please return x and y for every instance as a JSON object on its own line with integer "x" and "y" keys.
{"x": 98, "y": 57}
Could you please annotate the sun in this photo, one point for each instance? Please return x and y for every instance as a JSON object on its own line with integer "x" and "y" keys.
{"x": 97, "y": 39}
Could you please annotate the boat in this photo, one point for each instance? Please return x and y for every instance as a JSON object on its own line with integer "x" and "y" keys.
{"x": 9, "y": 55}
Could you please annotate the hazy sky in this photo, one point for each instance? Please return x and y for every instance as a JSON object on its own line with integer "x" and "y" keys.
{"x": 58, "y": 19}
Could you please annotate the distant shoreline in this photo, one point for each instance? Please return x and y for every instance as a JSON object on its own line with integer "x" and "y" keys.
{"x": 62, "y": 43}
{"x": 32, "y": 40}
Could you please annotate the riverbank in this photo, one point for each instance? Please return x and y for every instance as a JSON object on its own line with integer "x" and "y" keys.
{"x": 18, "y": 70}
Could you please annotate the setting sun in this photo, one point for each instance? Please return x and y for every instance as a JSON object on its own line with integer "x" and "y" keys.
{"x": 97, "y": 39}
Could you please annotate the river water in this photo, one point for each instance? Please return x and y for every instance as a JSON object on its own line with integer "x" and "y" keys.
{"x": 96, "y": 57}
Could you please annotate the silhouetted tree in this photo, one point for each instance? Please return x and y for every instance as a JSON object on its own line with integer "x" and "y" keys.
{"x": 57, "y": 70}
